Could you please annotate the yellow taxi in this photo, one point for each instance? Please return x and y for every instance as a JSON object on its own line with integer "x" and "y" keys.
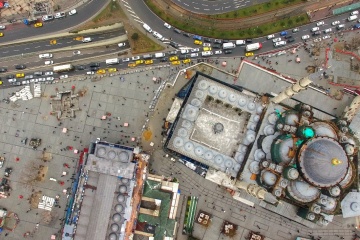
{"x": 186, "y": 60}
{"x": 101, "y": 71}
{"x": 206, "y": 49}
{"x": 53, "y": 42}
{"x": 112, "y": 69}
{"x": 198, "y": 42}
{"x": 20, "y": 75}
{"x": 37, "y": 25}
{"x": 175, "y": 62}
{"x": 132, "y": 64}
{"x": 1, "y": 34}
{"x": 147, "y": 62}
{"x": 137, "y": 62}
{"x": 79, "y": 38}
{"x": 1, "y": 82}
{"x": 173, "y": 58}
{"x": 249, "y": 54}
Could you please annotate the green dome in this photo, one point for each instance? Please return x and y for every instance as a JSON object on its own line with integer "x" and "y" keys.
{"x": 305, "y": 132}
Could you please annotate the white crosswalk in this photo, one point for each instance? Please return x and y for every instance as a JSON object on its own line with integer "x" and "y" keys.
{"x": 132, "y": 13}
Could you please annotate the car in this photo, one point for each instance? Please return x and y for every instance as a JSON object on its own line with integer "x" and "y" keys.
{"x": 49, "y": 73}
{"x": 316, "y": 33}
{"x": 288, "y": 36}
{"x": 29, "y": 77}
{"x": 186, "y": 60}
{"x": 112, "y": 69}
{"x": 305, "y": 37}
{"x": 11, "y": 80}
{"x": 173, "y": 58}
{"x": 94, "y": 68}
{"x": 134, "y": 58}
{"x": 198, "y": 42}
{"x": 20, "y": 75}
{"x": 218, "y": 52}
{"x": 86, "y": 39}
{"x": 295, "y": 30}
{"x": 206, "y": 45}
{"x": 320, "y": 23}
{"x": 94, "y": 64}
{"x": 354, "y": 13}
{"x": 2, "y": 27}
{"x": 194, "y": 55}
{"x": 64, "y": 76}
{"x": 183, "y": 57}
{"x": 184, "y": 51}
{"x": 132, "y": 64}
{"x": 77, "y": 52}
{"x": 227, "y": 51}
{"x": 101, "y": 71}
{"x": 249, "y": 54}
{"x": 276, "y": 40}
{"x": 32, "y": 80}
{"x": 121, "y": 44}
{"x": 90, "y": 73}
{"x": 314, "y": 29}
{"x": 271, "y": 36}
{"x": 172, "y": 52}
{"x": 283, "y": 33}
{"x": 163, "y": 59}
{"x": 206, "y": 49}
{"x": 3, "y": 70}
{"x": 2, "y": 161}
{"x": 248, "y": 40}
{"x": 148, "y": 62}
{"x": 193, "y": 50}
{"x": 326, "y": 37}
{"x": 175, "y": 62}
{"x": 217, "y": 45}
{"x": 1, "y": 34}
{"x": 279, "y": 44}
{"x": 138, "y": 62}
{"x": 20, "y": 66}
{"x": 8, "y": 171}
{"x": 16, "y": 83}
{"x": 10, "y": 76}
{"x": 81, "y": 67}
{"x": 207, "y": 39}
{"x": 49, "y": 62}
{"x": 218, "y": 41}
{"x": 23, "y": 82}
{"x": 60, "y": 15}
{"x": 328, "y": 30}
{"x": 47, "y": 18}
{"x": 240, "y": 42}
{"x": 167, "y": 25}
{"x": 196, "y": 37}
{"x": 72, "y": 12}
{"x": 125, "y": 60}
{"x": 289, "y": 40}
{"x": 50, "y": 79}
{"x": 174, "y": 44}
{"x": 177, "y": 30}
{"x": 1, "y": 82}
{"x": 37, "y": 25}
{"x": 335, "y": 23}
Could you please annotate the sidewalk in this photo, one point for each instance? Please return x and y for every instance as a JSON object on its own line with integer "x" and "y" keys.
{"x": 321, "y": 11}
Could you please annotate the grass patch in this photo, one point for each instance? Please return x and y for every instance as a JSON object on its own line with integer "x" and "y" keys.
{"x": 113, "y": 13}
{"x": 258, "y": 9}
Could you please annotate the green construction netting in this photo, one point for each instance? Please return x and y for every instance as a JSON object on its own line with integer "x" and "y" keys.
{"x": 346, "y": 8}
{"x": 164, "y": 225}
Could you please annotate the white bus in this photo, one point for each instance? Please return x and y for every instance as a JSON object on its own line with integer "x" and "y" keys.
{"x": 228, "y": 45}
{"x": 112, "y": 61}
{"x": 63, "y": 68}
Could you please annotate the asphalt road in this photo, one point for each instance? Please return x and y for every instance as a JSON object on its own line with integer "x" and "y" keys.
{"x": 45, "y": 46}
{"x": 18, "y": 31}
{"x": 215, "y": 6}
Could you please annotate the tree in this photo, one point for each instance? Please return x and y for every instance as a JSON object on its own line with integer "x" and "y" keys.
{"x": 135, "y": 36}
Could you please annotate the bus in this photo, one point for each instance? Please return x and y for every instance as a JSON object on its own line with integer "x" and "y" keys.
{"x": 112, "y": 61}
{"x": 228, "y": 45}
{"x": 63, "y": 68}
{"x": 253, "y": 47}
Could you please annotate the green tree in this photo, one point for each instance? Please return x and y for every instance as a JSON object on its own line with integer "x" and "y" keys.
{"x": 135, "y": 36}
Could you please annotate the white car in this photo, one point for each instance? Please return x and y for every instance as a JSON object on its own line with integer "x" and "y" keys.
{"x": 135, "y": 58}
{"x": 86, "y": 39}
{"x": 194, "y": 55}
{"x": 218, "y": 52}
{"x": 280, "y": 44}
{"x": 64, "y": 76}
{"x": 184, "y": 51}
{"x": 72, "y": 12}
{"x": 126, "y": 60}
{"x": 121, "y": 44}
{"x": 206, "y": 45}
{"x": 12, "y": 80}
{"x": 47, "y": 18}
{"x": 314, "y": 29}
{"x": 32, "y": 80}
{"x": 276, "y": 40}
{"x": 335, "y": 23}
{"x": 195, "y": 50}
{"x": 23, "y": 82}
{"x": 167, "y": 25}
{"x": 328, "y": 30}
{"x": 354, "y": 13}
{"x": 49, "y": 73}
{"x": 271, "y": 36}
{"x": 326, "y": 37}
{"x": 60, "y": 15}
{"x": 2, "y": 27}
{"x": 49, "y": 62}
{"x": 77, "y": 52}
{"x": 90, "y": 73}
{"x": 305, "y": 37}
{"x": 320, "y": 23}
{"x": 50, "y": 79}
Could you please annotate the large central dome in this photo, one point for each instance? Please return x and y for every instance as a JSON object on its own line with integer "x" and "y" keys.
{"x": 323, "y": 162}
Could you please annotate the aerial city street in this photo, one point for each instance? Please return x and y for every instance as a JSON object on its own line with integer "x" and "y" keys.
{"x": 179, "y": 119}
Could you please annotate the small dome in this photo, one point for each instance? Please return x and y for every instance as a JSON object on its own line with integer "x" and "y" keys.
{"x": 242, "y": 101}
{"x": 199, "y": 151}
{"x": 120, "y": 198}
{"x": 186, "y": 124}
{"x": 269, "y": 178}
{"x": 222, "y": 93}
{"x": 125, "y": 180}
{"x": 330, "y": 204}
{"x": 112, "y": 236}
{"x": 355, "y": 206}
{"x": 259, "y": 109}
{"x": 240, "y": 157}
{"x": 182, "y": 132}
{"x": 122, "y": 189}
{"x": 119, "y": 208}
{"x": 311, "y": 216}
{"x": 114, "y": 227}
{"x": 213, "y": 89}
{"x": 196, "y": 102}
{"x": 189, "y": 146}
{"x": 335, "y": 191}
{"x": 219, "y": 159}
{"x": 111, "y": 154}
{"x": 237, "y": 167}
{"x": 269, "y": 130}
{"x": 251, "y": 106}
{"x": 349, "y": 149}
{"x": 203, "y": 85}
{"x": 124, "y": 156}
{"x": 272, "y": 118}
{"x": 208, "y": 155}
{"x": 259, "y": 154}
{"x": 256, "y": 118}
{"x": 228, "y": 163}
{"x": 316, "y": 209}
{"x": 101, "y": 152}
{"x": 291, "y": 118}
{"x": 116, "y": 217}
{"x": 232, "y": 97}
{"x": 178, "y": 142}
{"x": 200, "y": 94}
{"x": 254, "y": 167}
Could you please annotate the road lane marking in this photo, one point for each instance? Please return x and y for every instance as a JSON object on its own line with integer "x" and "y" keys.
{"x": 196, "y": 8}
{"x": 37, "y": 46}
{"x": 16, "y": 50}
{"x": 139, "y": 21}
{"x": 6, "y": 52}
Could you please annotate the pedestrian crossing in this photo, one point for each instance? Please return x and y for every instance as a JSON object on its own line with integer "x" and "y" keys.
{"x": 241, "y": 3}
{"x": 131, "y": 12}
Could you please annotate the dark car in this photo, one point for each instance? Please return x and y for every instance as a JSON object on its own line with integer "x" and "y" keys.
{"x": 183, "y": 57}
{"x": 20, "y": 66}
{"x": 4, "y": 181}
{"x": 249, "y": 40}
{"x": 288, "y": 36}
{"x": 218, "y": 41}
{"x": 163, "y": 60}
{"x": 172, "y": 52}
{"x": 177, "y": 30}
{"x": 8, "y": 171}
{"x": 174, "y": 44}
{"x": 290, "y": 40}
{"x": 10, "y": 76}
{"x": 227, "y": 51}
{"x": 81, "y": 67}
{"x": 316, "y": 33}
{"x": 94, "y": 68}
{"x": 207, "y": 40}
{"x": 226, "y": 40}
{"x": 186, "y": 34}
{"x": 3, "y": 70}
{"x": 94, "y": 64}
{"x": 217, "y": 45}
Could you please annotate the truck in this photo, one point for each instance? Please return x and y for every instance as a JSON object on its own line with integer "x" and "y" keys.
{"x": 357, "y": 26}
{"x": 253, "y": 47}
{"x": 112, "y": 61}
{"x": 63, "y": 68}
{"x": 30, "y": 21}
{"x": 228, "y": 45}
